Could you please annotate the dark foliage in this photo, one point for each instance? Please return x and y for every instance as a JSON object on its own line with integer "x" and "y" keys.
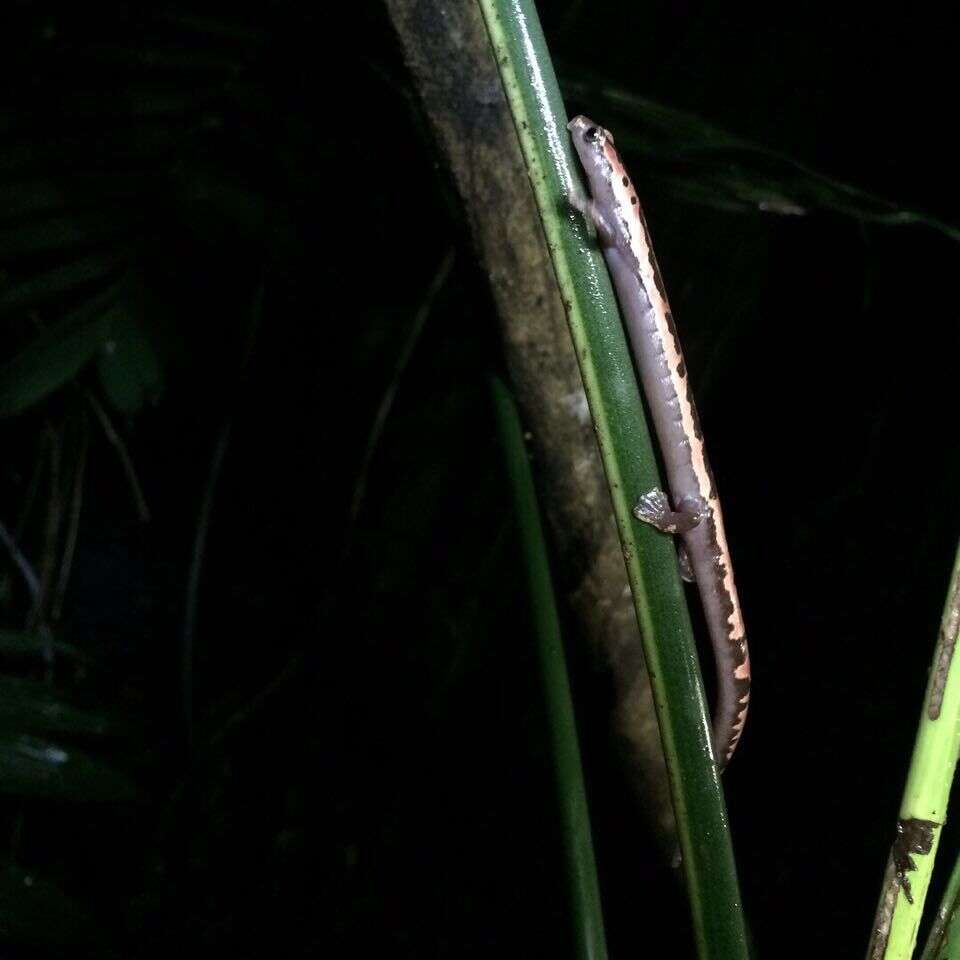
{"x": 242, "y": 709}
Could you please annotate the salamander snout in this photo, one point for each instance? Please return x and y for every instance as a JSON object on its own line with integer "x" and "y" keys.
{"x": 590, "y": 132}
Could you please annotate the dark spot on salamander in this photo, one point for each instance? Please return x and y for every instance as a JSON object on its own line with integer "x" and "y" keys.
{"x": 697, "y": 431}
{"x": 724, "y": 598}
{"x": 626, "y": 181}
{"x": 634, "y": 200}
{"x": 713, "y": 483}
{"x": 681, "y": 368}
{"x": 657, "y": 279}
{"x": 671, "y": 326}
{"x": 741, "y": 686}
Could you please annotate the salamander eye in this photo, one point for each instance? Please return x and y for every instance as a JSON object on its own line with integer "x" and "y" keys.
{"x": 596, "y": 135}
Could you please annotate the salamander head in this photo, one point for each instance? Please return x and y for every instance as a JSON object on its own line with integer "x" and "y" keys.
{"x": 586, "y": 132}
{"x": 601, "y": 164}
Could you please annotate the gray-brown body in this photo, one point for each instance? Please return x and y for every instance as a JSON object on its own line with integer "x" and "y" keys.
{"x": 695, "y": 515}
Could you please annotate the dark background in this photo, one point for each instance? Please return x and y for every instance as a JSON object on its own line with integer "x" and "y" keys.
{"x": 356, "y": 758}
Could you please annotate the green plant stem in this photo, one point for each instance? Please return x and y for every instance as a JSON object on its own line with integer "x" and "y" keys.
{"x": 613, "y": 395}
{"x": 584, "y": 889}
{"x": 944, "y": 939}
{"x": 923, "y": 808}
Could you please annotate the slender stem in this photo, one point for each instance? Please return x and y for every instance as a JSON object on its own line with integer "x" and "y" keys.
{"x": 193, "y": 576}
{"x": 20, "y": 562}
{"x": 191, "y": 601}
{"x": 30, "y": 497}
{"x": 51, "y": 536}
{"x": 613, "y": 395}
{"x": 923, "y": 808}
{"x": 584, "y": 888}
{"x": 389, "y": 394}
{"x": 126, "y": 462}
{"x": 250, "y": 707}
{"x": 944, "y": 939}
{"x": 73, "y": 527}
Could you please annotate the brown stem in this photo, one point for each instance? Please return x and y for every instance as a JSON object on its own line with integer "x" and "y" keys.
{"x": 452, "y": 65}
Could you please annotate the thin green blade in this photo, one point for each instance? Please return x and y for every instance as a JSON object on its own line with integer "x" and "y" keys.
{"x": 622, "y": 434}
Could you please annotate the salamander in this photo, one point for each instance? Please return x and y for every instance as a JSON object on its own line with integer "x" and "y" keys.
{"x": 694, "y": 514}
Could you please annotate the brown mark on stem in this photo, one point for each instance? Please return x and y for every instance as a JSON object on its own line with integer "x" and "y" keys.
{"x": 913, "y": 836}
{"x": 884, "y": 918}
{"x": 949, "y": 628}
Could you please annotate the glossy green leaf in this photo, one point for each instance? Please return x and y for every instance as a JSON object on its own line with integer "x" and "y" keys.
{"x": 35, "y": 290}
{"x": 36, "y": 767}
{"x": 129, "y": 365}
{"x": 57, "y": 354}
{"x": 624, "y": 440}
{"x": 36, "y": 707}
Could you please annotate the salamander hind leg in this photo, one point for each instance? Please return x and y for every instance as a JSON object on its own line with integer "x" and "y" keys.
{"x": 654, "y": 508}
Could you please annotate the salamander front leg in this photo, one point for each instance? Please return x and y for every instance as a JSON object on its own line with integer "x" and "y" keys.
{"x": 589, "y": 209}
{"x": 654, "y": 508}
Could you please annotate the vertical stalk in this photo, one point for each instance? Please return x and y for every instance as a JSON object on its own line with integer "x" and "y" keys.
{"x": 923, "y": 808}
{"x": 623, "y": 437}
{"x": 584, "y": 889}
